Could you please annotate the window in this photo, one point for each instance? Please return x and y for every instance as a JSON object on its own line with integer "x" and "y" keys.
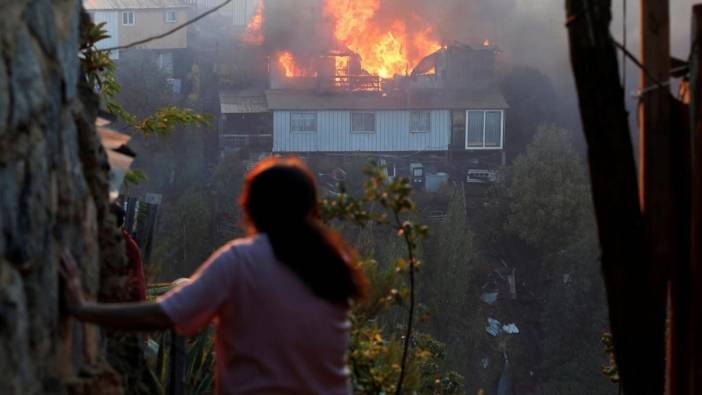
{"x": 363, "y": 122}
{"x": 420, "y": 121}
{"x": 128, "y": 17}
{"x": 171, "y": 16}
{"x": 303, "y": 121}
{"x": 484, "y": 129}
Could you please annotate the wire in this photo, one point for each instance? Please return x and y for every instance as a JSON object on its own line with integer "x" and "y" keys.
{"x": 169, "y": 32}
{"x": 656, "y": 82}
{"x": 624, "y": 44}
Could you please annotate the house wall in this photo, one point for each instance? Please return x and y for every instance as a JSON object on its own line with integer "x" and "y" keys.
{"x": 111, "y": 19}
{"x": 150, "y": 22}
{"x": 334, "y": 133}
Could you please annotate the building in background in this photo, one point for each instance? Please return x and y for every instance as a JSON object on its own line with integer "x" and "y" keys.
{"x": 127, "y": 21}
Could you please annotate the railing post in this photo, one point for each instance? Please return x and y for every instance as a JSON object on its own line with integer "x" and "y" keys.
{"x": 176, "y": 382}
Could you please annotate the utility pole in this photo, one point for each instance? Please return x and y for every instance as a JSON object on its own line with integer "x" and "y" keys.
{"x": 656, "y": 173}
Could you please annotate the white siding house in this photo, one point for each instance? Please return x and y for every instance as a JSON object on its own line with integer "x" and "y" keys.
{"x": 312, "y": 122}
{"x": 384, "y": 131}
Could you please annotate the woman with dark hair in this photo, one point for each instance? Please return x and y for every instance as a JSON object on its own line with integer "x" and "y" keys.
{"x": 279, "y": 298}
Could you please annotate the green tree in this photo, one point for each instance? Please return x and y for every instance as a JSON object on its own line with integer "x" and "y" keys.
{"x": 548, "y": 194}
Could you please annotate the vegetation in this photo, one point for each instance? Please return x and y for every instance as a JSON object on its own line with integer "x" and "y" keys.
{"x": 100, "y": 72}
{"x": 384, "y": 357}
{"x": 535, "y": 220}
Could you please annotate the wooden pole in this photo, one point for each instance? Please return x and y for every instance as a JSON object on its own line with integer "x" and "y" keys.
{"x": 656, "y": 173}
{"x": 695, "y": 351}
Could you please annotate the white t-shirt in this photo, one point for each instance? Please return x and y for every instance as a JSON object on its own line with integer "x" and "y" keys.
{"x": 273, "y": 335}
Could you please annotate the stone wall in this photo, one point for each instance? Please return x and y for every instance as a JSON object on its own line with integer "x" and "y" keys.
{"x": 53, "y": 195}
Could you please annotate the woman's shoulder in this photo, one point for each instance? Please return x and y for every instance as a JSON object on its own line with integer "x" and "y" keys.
{"x": 244, "y": 244}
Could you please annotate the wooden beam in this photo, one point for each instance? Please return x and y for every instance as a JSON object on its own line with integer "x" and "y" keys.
{"x": 695, "y": 351}
{"x": 636, "y": 318}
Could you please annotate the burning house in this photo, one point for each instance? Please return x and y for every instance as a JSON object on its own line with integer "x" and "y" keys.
{"x": 386, "y": 90}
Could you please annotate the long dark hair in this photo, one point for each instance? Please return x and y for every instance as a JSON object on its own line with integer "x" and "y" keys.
{"x": 280, "y": 200}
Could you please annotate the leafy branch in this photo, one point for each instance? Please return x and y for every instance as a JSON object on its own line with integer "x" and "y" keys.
{"x": 100, "y": 72}
{"x": 394, "y": 198}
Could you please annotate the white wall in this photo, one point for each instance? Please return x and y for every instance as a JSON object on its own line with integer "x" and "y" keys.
{"x": 111, "y": 18}
{"x": 334, "y": 133}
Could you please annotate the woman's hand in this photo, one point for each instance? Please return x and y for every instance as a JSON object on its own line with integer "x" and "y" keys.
{"x": 74, "y": 289}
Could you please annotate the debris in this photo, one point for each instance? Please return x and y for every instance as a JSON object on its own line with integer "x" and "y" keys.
{"x": 493, "y": 327}
{"x": 510, "y": 328}
{"x": 489, "y": 297}
{"x": 512, "y": 282}
{"x": 484, "y": 362}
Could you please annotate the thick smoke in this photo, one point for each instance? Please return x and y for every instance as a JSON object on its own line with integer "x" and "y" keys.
{"x": 529, "y": 32}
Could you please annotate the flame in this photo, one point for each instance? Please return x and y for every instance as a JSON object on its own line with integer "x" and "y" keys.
{"x": 341, "y": 65}
{"x": 486, "y": 43}
{"x": 290, "y": 67}
{"x": 254, "y": 30}
{"x": 386, "y": 48}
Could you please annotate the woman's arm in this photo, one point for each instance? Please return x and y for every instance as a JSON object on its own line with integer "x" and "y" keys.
{"x": 121, "y": 316}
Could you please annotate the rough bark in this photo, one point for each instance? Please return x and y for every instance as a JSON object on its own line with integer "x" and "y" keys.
{"x": 636, "y": 298}
{"x": 53, "y": 196}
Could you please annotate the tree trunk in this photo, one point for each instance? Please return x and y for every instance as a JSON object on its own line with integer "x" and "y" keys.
{"x": 636, "y": 313}
{"x": 53, "y": 196}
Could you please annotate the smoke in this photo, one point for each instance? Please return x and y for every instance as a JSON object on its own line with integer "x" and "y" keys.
{"x": 530, "y": 33}
{"x": 296, "y": 26}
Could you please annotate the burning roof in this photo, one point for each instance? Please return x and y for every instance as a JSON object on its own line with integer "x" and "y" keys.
{"x": 387, "y": 38}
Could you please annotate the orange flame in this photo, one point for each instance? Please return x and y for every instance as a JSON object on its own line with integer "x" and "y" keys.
{"x": 254, "y": 30}
{"x": 290, "y": 68}
{"x": 386, "y": 49}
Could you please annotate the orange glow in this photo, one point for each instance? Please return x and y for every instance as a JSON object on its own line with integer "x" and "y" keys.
{"x": 254, "y": 30}
{"x": 341, "y": 65}
{"x": 486, "y": 43}
{"x": 290, "y": 68}
{"x": 386, "y": 48}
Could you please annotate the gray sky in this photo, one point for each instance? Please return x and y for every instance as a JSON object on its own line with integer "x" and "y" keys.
{"x": 535, "y": 35}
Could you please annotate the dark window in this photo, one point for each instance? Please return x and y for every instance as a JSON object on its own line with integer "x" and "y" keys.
{"x": 420, "y": 121}
{"x": 363, "y": 122}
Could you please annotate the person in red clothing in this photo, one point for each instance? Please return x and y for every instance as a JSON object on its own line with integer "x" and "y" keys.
{"x": 136, "y": 282}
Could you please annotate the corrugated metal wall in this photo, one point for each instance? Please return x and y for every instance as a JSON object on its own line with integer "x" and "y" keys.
{"x": 334, "y": 133}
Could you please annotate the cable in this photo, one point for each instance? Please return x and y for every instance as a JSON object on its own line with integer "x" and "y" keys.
{"x": 624, "y": 44}
{"x": 169, "y": 32}
{"x": 656, "y": 82}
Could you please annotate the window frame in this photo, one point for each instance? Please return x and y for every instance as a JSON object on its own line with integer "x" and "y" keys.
{"x": 364, "y": 114}
{"x": 484, "y": 115}
{"x": 175, "y": 16}
{"x": 428, "y": 128}
{"x": 128, "y": 22}
{"x": 316, "y": 121}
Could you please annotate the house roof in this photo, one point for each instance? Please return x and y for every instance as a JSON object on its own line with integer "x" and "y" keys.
{"x": 419, "y": 100}
{"x": 132, "y": 4}
{"x": 242, "y": 102}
